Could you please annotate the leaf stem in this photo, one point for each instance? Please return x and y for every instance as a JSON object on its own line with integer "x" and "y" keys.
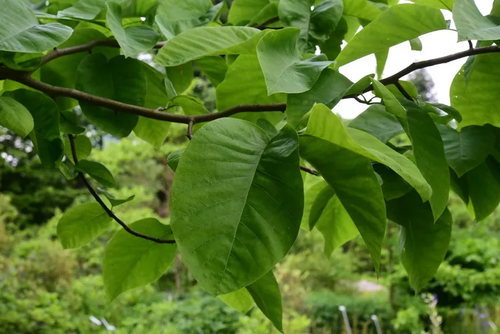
{"x": 105, "y": 207}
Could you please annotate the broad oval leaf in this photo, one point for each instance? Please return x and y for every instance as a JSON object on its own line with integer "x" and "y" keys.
{"x": 240, "y": 300}
{"x": 423, "y": 243}
{"x": 467, "y": 149}
{"x": 282, "y": 64}
{"x": 471, "y": 24}
{"x": 193, "y": 44}
{"x": 482, "y": 85}
{"x": 483, "y": 185}
{"x": 15, "y": 117}
{"x": 130, "y": 262}
{"x": 349, "y": 173}
{"x": 82, "y": 224}
{"x": 119, "y": 79}
{"x": 133, "y": 40}
{"x": 21, "y": 32}
{"x": 96, "y": 171}
{"x": 237, "y": 201}
{"x": 395, "y": 25}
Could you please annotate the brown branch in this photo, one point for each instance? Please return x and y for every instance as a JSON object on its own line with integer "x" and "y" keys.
{"x": 309, "y": 170}
{"x": 26, "y": 79}
{"x": 190, "y": 130}
{"x": 85, "y": 48}
{"x": 105, "y": 207}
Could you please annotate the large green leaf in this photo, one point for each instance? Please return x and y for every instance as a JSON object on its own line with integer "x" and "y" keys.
{"x": 174, "y": 17}
{"x": 484, "y": 188}
{"x": 130, "y": 262}
{"x": 430, "y": 156}
{"x": 119, "y": 79}
{"x": 423, "y": 243}
{"x": 378, "y": 122}
{"x": 471, "y": 24}
{"x": 180, "y": 76}
{"x": 391, "y": 103}
{"x": 62, "y": 71}
{"x": 237, "y": 202}
{"x": 97, "y": 171}
{"x": 243, "y": 11}
{"x": 208, "y": 41}
{"x": 15, "y": 117}
{"x": 349, "y": 173}
{"x": 282, "y": 64}
{"x": 45, "y": 136}
{"x": 84, "y": 9}
{"x": 21, "y": 32}
{"x": 233, "y": 91}
{"x": 477, "y": 100}
{"x": 297, "y": 14}
{"x": 267, "y": 296}
{"x": 133, "y": 40}
{"x": 324, "y": 19}
{"x": 332, "y": 220}
{"x": 153, "y": 131}
{"x": 361, "y": 9}
{"x": 82, "y": 224}
{"x": 441, "y": 4}
{"x": 467, "y": 149}
{"x": 240, "y": 300}
{"x": 214, "y": 67}
{"x": 395, "y": 25}
{"x": 329, "y": 89}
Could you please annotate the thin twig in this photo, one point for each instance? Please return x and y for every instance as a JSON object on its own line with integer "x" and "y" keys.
{"x": 471, "y": 46}
{"x": 309, "y": 170}
{"x": 190, "y": 130}
{"x": 403, "y": 90}
{"x": 264, "y": 24}
{"x": 105, "y": 207}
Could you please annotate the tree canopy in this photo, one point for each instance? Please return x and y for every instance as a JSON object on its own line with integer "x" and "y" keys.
{"x": 242, "y": 187}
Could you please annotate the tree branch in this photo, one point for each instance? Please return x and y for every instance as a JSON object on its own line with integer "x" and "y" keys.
{"x": 85, "y": 48}
{"x": 309, "y": 170}
{"x": 105, "y": 207}
{"x": 264, "y": 24}
{"x": 26, "y": 79}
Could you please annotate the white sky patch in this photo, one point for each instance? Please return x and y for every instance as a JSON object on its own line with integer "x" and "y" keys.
{"x": 435, "y": 44}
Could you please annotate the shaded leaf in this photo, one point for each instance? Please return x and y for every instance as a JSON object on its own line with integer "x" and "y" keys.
{"x": 267, "y": 296}
{"x": 15, "y": 117}
{"x": 83, "y": 147}
{"x": 484, "y": 188}
{"x": 174, "y": 158}
{"x": 214, "y": 68}
{"x": 130, "y": 262}
{"x": 96, "y": 171}
{"x": 471, "y": 24}
{"x": 240, "y": 300}
{"x": 378, "y": 122}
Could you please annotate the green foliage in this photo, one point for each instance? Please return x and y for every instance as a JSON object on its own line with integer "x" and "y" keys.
{"x": 220, "y": 75}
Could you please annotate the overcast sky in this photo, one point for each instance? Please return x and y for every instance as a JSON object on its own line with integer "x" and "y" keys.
{"x": 435, "y": 44}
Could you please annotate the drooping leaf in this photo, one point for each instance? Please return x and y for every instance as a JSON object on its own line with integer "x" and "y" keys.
{"x": 113, "y": 200}
{"x": 324, "y": 19}
{"x": 82, "y": 224}
{"x": 97, "y": 171}
{"x": 21, "y": 31}
{"x": 350, "y": 174}
{"x": 378, "y": 122}
{"x": 467, "y": 149}
{"x": 408, "y": 86}
{"x": 297, "y": 14}
{"x": 193, "y": 44}
{"x": 393, "y": 185}
{"x": 429, "y": 156}
{"x": 483, "y": 85}
{"x": 119, "y": 79}
{"x": 448, "y": 110}
{"x": 174, "y": 158}
{"x": 15, "y": 117}
{"x": 174, "y": 17}
{"x": 133, "y": 40}
{"x": 416, "y": 44}
{"x": 267, "y": 296}
{"x": 240, "y": 300}
{"x": 359, "y": 86}
{"x": 229, "y": 238}
{"x": 153, "y": 131}
{"x": 329, "y": 89}
{"x": 395, "y": 25}
{"x": 331, "y": 47}
{"x": 130, "y": 262}
{"x": 471, "y": 24}
{"x": 282, "y": 64}
{"x": 483, "y": 187}
{"x": 214, "y": 68}
{"x": 83, "y": 147}
{"x": 313, "y": 185}
{"x": 233, "y": 91}
{"x": 332, "y": 220}
{"x": 391, "y": 103}
{"x": 423, "y": 244}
